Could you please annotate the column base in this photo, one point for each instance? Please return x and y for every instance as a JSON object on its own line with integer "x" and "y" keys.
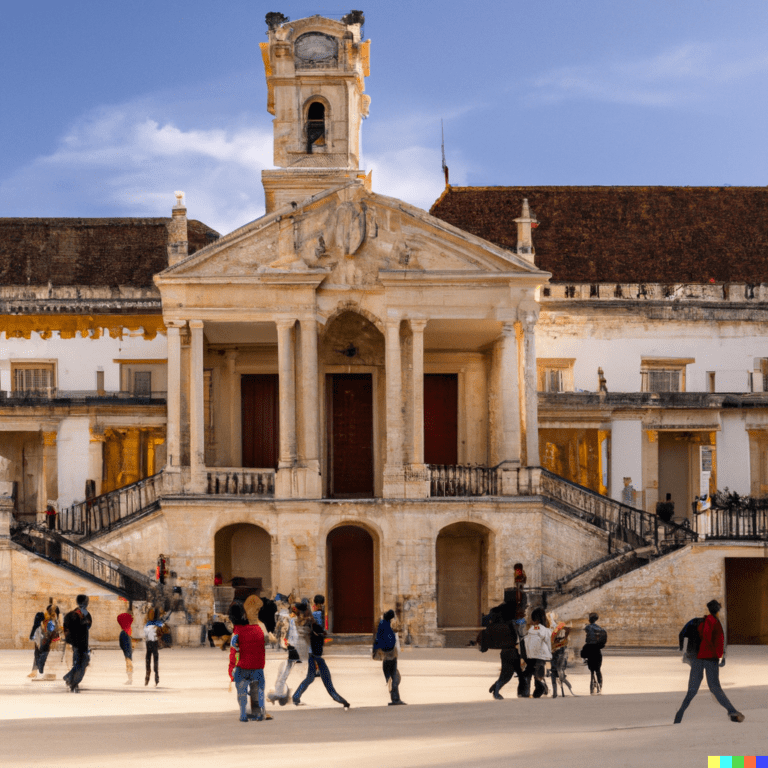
{"x": 172, "y": 480}
{"x": 198, "y": 480}
{"x": 299, "y": 482}
{"x": 393, "y": 482}
{"x": 416, "y": 481}
{"x": 509, "y": 480}
{"x": 529, "y": 481}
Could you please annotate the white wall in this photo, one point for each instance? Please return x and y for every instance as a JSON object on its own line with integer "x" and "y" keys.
{"x": 733, "y": 454}
{"x": 618, "y": 342}
{"x": 73, "y": 459}
{"x": 626, "y": 456}
{"x": 78, "y": 358}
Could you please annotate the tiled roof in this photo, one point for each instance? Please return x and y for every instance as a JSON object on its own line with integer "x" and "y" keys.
{"x": 89, "y": 251}
{"x": 626, "y": 234}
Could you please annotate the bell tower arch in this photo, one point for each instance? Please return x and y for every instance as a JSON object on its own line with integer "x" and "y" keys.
{"x": 315, "y": 69}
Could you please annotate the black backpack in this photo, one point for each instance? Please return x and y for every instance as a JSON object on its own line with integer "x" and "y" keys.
{"x": 691, "y": 631}
{"x": 69, "y": 624}
{"x": 602, "y": 638}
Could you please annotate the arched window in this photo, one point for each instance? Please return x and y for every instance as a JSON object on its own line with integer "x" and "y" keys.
{"x": 315, "y": 126}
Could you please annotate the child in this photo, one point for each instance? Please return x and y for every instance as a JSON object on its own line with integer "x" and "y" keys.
{"x": 538, "y": 647}
{"x": 125, "y": 620}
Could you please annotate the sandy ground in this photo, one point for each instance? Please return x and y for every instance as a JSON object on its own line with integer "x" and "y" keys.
{"x": 191, "y": 719}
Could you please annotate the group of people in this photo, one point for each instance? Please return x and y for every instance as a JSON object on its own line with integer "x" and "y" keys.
{"x": 526, "y": 647}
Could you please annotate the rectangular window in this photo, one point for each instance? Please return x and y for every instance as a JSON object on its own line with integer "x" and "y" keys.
{"x": 664, "y": 374}
{"x": 33, "y": 377}
{"x": 555, "y": 374}
{"x": 142, "y": 383}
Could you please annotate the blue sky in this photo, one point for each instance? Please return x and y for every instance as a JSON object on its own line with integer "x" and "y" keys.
{"x": 107, "y": 108}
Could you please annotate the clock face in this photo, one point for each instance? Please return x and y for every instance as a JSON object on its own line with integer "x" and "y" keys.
{"x": 315, "y": 50}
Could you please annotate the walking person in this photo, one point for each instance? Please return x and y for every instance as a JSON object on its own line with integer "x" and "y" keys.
{"x": 249, "y": 644}
{"x": 386, "y": 646}
{"x": 711, "y": 651}
{"x": 34, "y": 636}
{"x": 596, "y": 638}
{"x": 125, "y": 620}
{"x": 559, "y": 661}
{"x": 317, "y": 664}
{"x": 501, "y": 634}
{"x": 297, "y": 647}
{"x": 538, "y": 646}
{"x": 77, "y": 625}
{"x": 152, "y": 642}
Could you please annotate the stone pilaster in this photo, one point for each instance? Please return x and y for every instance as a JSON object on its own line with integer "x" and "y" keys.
{"x": 417, "y": 474}
{"x": 394, "y": 478}
{"x": 286, "y": 363}
{"x": 173, "y": 458}
{"x": 196, "y": 410}
{"x": 309, "y": 478}
{"x": 531, "y": 403}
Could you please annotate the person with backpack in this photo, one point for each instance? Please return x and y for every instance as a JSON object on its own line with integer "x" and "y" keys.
{"x": 592, "y": 651}
{"x": 316, "y": 663}
{"x": 500, "y": 633}
{"x": 705, "y": 647}
{"x": 386, "y": 645}
{"x": 77, "y": 625}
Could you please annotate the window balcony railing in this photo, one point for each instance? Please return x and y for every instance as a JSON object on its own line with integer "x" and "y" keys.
{"x": 462, "y": 480}
{"x": 66, "y": 396}
{"x": 238, "y": 481}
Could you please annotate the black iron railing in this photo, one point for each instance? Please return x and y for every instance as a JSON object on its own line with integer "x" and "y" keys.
{"x": 101, "y": 513}
{"x": 60, "y": 550}
{"x": 462, "y": 480}
{"x": 65, "y": 396}
{"x": 741, "y": 518}
{"x": 623, "y": 523}
{"x": 236, "y": 481}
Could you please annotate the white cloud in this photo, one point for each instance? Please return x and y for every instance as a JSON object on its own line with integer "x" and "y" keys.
{"x": 683, "y": 73}
{"x": 128, "y": 160}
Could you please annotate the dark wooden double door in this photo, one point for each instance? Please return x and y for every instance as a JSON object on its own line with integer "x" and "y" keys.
{"x": 349, "y": 411}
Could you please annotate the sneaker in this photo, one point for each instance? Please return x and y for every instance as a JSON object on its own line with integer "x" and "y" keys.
{"x": 283, "y": 700}
{"x": 736, "y": 717}
{"x": 497, "y": 695}
{"x": 296, "y": 701}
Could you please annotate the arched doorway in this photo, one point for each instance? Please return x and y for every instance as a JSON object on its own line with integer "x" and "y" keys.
{"x": 462, "y": 556}
{"x": 350, "y": 579}
{"x": 243, "y": 557}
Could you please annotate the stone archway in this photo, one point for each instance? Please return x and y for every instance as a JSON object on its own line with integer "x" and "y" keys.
{"x": 243, "y": 552}
{"x": 462, "y": 574}
{"x": 350, "y": 558}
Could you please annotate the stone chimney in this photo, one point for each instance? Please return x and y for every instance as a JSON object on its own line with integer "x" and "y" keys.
{"x": 525, "y": 224}
{"x": 178, "y": 245}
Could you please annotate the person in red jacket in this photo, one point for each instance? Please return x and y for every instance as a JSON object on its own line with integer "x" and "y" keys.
{"x": 711, "y": 650}
{"x": 248, "y": 641}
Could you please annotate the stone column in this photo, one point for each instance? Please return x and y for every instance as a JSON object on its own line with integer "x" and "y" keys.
{"x": 287, "y": 379}
{"x": 311, "y": 483}
{"x": 96, "y": 458}
{"x": 417, "y": 476}
{"x": 531, "y": 394}
{"x": 173, "y": 458}
{"x": 393, "y": 469}
{"x": 196, "y": 410}
{"x": 235, "y": 438}
{"x": 510, "y": 409}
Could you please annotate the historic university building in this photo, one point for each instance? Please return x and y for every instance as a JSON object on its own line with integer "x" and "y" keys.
{"x": 356, "y": 397}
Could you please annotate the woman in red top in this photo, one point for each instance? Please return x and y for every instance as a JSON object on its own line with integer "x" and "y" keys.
{"x": 711, "y": 649}
{"x": 248, "y": 640}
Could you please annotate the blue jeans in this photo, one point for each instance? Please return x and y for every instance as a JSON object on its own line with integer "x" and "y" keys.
{"x": 698, "y": 668}
{"x": 317, "y": 664}
{"x": 244, "y": 682}
{"x": 80, "y": 660}
{"x": 125, "y": 645}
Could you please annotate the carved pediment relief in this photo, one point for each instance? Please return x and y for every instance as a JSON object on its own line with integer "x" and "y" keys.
{"x": 351, "y": 235}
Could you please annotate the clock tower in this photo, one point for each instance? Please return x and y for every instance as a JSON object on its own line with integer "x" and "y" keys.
{"x": 316, "y": 69}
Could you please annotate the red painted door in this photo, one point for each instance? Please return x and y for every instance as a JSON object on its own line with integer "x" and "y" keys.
{"x": 350, "y": 565}
{"x": 441, "y": 418}
{"x": 261, "y": 420}
{"x": 351, "y": 439}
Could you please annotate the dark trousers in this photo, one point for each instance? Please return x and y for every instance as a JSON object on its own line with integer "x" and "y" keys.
{"x": 594, "y": 657}
{"x": 317, "y": 665}
{"x": 42, "y": 656}
{"x": 80, "y": 660}
{"x": 510, "y": 665}
{"x": 125, "y": 645}
{"x": 536, "y": 669}
{"x": 152, "y": 653}
{"x": 389, "y": 668}
{"x": 698, "y": 668}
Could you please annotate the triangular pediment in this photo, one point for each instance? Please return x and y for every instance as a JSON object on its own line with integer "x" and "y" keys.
{"x": 347, "y": 236}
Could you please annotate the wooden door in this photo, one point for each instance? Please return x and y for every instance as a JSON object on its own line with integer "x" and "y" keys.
{"x": 350, "y": 568}
{"x": 259, "y": 395}
{"x": 746, "y": 613}
{"x": 441, "y": 418}
{"x": 350, "y": 423}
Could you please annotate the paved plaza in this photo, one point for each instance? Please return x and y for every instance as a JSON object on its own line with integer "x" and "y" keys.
{"x": 191, "y": 719}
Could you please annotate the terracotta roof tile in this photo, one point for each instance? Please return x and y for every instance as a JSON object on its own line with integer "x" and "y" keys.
{"x": 88, "y": 251}
{"x": 626, "y": 234}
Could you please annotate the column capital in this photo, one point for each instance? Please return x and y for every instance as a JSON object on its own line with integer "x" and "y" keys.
{"x": 195, "y": 324}
{"x": 176, "y": 325}
{"x": 418, "y": 324}
{"x": 508, "y": 329}
{"x": 285, "y": 323}
{"x": 49, "y": 438}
